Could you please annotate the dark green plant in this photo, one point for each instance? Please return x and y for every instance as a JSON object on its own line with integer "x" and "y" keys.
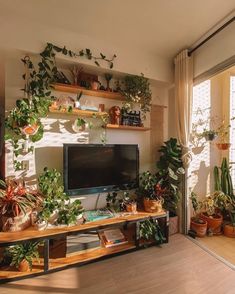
{"x": 137, "y": 90}
{"x": 150, "y": 230}
{"x": 147, "y": 186}
{"x": 169, "y": 171}
{"x": 25, "y": 251}
{"x": 223, "y": 179}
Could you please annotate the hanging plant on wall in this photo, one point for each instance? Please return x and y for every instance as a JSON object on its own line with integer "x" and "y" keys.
{"x": 137, "y": 91}
{"x": 23, "y": 122}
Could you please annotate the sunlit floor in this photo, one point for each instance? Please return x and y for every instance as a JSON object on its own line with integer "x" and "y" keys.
{"x": 220, "y": 245}
{"x": 180, "y": 267}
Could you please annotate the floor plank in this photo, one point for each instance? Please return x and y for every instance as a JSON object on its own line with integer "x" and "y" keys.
{"x": 180, "y": 267}
{"x": 220, "y": 245}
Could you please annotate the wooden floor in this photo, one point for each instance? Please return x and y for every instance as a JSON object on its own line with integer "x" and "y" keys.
{"x": 220, "y": 245}
{"x": 180, "y": 267}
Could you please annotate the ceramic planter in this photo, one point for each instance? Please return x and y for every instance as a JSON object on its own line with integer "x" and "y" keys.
{"x": 23, "y": 266}
{"x": 199, "y": 228}
{"x": 229, "y": 231}
{"x": 223, "y": 146}
{"x": 213, "y": 222}
{"x": 152, "y": 205}
{"x": 131, "y": 207}
{"x": 173, "y": 225}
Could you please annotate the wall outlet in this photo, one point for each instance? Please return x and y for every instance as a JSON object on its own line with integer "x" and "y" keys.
{"x": 25, "y": 165}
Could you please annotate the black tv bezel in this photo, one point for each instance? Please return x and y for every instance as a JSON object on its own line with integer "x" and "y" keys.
{"x": 94, "y": 190}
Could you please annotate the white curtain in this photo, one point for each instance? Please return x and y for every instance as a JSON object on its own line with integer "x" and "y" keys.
{"x": 183, "y": 100}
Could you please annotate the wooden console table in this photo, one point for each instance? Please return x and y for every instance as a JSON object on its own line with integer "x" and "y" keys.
{"x": 48, "y": 264}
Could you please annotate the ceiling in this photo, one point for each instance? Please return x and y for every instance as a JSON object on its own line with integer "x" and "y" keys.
{"x": 162, "y": 27}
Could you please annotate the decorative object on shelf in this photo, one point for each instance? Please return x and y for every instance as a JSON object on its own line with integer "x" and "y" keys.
{"x": 76, "y": 73}
{"x": 23, "y": 255}
{"x": 108, "y": 78}
{"x": 95, "y": 85}
{"x": 137, "y": 91}
{"x": 101, "y": 107}
{"x": 131, "y": 118}
{"x": 147, "y": 192}
{"x": 150, "y": 230}
{"x": 115, "y": 115}
{"x": 129, "y": 202}
{"x": 16, "y": 204}
{"x": 197, "y": 224}
{"x": 64, "y": 102}
{"x": 77, "y": 102}
{"x": 60, "y": 77}
{"x": 55, "y": 200}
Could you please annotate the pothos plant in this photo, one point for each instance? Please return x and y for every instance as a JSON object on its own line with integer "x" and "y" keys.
{"x": 137, "y": 91}
{"x": 150, "y": 230}
{"x": 23, "y": 122}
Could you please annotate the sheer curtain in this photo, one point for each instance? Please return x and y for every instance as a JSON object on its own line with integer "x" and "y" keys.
{"x": 183, "y": 105}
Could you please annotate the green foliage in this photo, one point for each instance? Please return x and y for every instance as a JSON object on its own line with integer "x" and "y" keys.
{"x": 51, "y": 187}
{"x": 169, "y": 171}
{"x": 150, "y": 230}
{"x": 147, "y": 185}
{"x": 26, "y": 251}
{"x": 195, "y": 203}
{"x": 137, "y": 90}
{"x": 223, "y": 180}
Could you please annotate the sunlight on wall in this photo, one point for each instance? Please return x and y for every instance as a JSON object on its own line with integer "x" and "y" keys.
{"x": 201, "y": 112}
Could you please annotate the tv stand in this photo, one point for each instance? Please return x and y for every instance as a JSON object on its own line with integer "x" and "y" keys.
{"x": 129, "y": 223}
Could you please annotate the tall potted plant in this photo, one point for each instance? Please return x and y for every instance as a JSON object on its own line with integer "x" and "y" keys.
{"x": 168, "y": 176}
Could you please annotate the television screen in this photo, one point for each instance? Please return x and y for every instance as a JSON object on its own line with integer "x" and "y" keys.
{"x": 92, "y": 168}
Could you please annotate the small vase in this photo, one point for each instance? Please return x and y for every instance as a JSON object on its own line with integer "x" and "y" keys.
{"x": 131, "y": 207}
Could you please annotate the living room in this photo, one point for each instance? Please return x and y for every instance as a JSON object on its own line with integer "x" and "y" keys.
{"x": 117, "y": 146}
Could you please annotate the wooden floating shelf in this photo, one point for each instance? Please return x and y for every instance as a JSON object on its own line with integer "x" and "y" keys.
{"x": 97, "y": 93}
{"x": 79, "y": 112}
{"x": 130, "y": 128}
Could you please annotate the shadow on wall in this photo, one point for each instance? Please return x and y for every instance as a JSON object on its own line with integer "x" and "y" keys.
{"x": 202, "y": 174}
{"x": 51, "y": 157}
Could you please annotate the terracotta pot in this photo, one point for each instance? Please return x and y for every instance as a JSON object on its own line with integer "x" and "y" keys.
{"x": 229, "y": 231}
{"x": 213, "y": 223}
{"x": 152, "y": 205}
{"x": 200, "y": 229}
{"x": 23, "y": 266}
{"x": 131, "y": 207}
{"x": 223, "y": 146}
{"x": 173, "y": 225}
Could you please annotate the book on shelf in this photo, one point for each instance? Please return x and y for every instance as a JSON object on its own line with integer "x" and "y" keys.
{"x": 111, "y": 238}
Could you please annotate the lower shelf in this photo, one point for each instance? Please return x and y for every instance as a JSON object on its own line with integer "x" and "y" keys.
{"x": 92, "y": 255}
{"x": 11, "y": 273}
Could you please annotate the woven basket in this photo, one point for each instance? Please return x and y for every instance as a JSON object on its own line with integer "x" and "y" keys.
{"x": 152, "y": 205}
{"x": 17, "y": 223}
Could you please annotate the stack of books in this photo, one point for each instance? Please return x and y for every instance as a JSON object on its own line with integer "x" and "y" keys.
{"x": 111, "y": 238}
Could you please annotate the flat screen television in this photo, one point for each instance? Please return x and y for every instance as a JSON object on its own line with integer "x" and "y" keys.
{"x": 94, "y": 168}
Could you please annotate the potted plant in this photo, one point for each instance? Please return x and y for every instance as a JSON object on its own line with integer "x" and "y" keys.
{"x": 16, "y": 205}
{"x": 137, "y": 91}
{"x": 23, "y": 255}
{"x": 169, "y": 176}
{"x": 209, "y": 135}
{"x": 147, "y": 191}
{"x": 150, "y": 231}
{"x": 211, "y": 215}
{"x": 77, "y": 102}
{"x": 223, "y": 135}
{"x": 129, "y": 202}
{"x": 197, "y": 224}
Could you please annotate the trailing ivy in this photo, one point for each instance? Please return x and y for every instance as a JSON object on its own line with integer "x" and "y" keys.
{"x": 37, "y": 89}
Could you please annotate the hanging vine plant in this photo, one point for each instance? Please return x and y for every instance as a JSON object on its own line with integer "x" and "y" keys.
{"x": 137, "y": 91}
{"x": 23, "y": 122}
